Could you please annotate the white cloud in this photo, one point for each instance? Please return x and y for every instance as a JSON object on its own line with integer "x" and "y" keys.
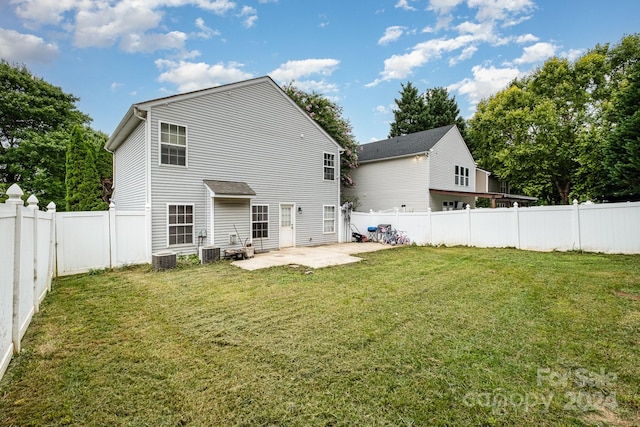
{"x": 536, "y": 53}
{"x": 152, "y": 42}
{"x": 189, "y": 76}
{"x": 526, "y": 38}
{"x": 486, "y": 82}
{"x": 115, "y": 86}
{"x": 205, "y": 32}
{"x": 104, "y": 23}
{"x": 44, "y": 11}
{"x": 319, "y": 86}
{"x": 103, "y": 27}
{"x": 497, "y": 10}
{"x": 381, "y": 109}
{"x": 401, "y": 66}
{"x": 23, "y": 48}
{"x": 293, "y": 70}
{"x": 250, "y": 16}
{"x": 466, "y": 53}
{"x": 404, "y": 4}
{"x": 443, "y": 6}
{"x": 391, "y": 34}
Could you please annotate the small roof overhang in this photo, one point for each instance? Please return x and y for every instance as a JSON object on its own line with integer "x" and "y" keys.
{"x": 497, "y": 196}
{"x": 229, "y": 189}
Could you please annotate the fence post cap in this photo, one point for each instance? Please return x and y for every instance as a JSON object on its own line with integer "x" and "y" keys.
{"x": 15, "y": 193}
{"x": 112, "y": 206}
{"x": 51, "y": 207}
{"x": 468, "y": 206}
{"x": 575, "y": 201}
{"x": 32, "y": 202}
{"x": 515, "y": 204}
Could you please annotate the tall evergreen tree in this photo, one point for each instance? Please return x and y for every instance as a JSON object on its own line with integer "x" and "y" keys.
{"x": 442, "y": 110}
{"x": 82, "y": 181}
{"x": 410, "y": 116}
{"x": 622, "y": 152}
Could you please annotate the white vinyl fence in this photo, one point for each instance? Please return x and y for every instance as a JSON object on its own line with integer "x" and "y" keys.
{"x": 26, "y": 267}
{"x": 36, "y": 245}
{"x": 609, "y": 228}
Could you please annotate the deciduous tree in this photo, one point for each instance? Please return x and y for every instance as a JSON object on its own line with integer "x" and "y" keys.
{"x": 329, "y": 116}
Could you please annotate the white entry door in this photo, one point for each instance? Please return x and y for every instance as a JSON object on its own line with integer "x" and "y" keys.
{"x": 287, "y": 226}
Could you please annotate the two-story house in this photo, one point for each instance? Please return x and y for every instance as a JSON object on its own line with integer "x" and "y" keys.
{"x": 227, "y": 165}
{"x": 432, "y": 169}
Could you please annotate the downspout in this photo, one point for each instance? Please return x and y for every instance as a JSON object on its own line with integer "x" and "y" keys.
{"x": 143, "y": 116}
{"x": 428, "y": 154}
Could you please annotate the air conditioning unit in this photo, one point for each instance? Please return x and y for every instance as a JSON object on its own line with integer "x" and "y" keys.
{"x": 163, "y": 260}
{"x": 233, "y": 238}
{"x": 209, "y": 254}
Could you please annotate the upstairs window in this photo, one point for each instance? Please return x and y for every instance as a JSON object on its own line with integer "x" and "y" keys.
{"x": 329, "y": 167}
{"x": 260, "y": 221}
{"x": 462, "y": 176}
{"x": 173, "y": 144}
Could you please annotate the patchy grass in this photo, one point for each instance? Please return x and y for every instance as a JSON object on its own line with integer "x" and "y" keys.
{"x": 410, "y": 336}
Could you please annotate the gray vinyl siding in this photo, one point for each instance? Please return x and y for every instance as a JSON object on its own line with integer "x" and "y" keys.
{"x": 231, "y": 216}
{"x": 129, "y": 172}
{"x": 450, "y": 151}
{"x": 390, "y": 184}
{"x": 252, "y": 134}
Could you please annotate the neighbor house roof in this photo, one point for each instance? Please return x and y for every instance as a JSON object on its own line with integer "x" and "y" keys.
{"x": 405, "y": 145}
{"x": 229, "y": 188}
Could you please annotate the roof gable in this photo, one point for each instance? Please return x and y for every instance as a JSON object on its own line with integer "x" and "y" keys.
{"x": 401, "y": 146}
{"x": 137, "y": 112}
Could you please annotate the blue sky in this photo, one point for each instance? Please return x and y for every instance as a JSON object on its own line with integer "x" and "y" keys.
{"x": 113, "y": 53}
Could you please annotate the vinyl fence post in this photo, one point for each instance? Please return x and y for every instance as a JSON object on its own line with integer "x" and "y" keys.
{"x": 468, "y": 213}
{"x": 53, "y": 247}
{"x": 577, "y": 242}
{"x": 430, "y": 225}
{"x": 32, "y": 204}
{"x": 517, "y": 224}
{"x": 113, "y": 237}
{"x": 15, "y": 198}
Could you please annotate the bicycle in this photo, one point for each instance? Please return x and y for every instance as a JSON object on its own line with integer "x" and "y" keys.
{"x": 402, "y": 238}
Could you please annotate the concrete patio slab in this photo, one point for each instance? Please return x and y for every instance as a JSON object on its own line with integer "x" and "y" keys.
{"x": 314, "y": 256}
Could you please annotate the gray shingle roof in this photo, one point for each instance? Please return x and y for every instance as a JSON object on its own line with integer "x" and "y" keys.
{"x": 229, "y": 188}
{"x": 406, "y": 145}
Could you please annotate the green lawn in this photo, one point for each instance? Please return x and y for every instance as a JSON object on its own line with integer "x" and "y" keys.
{"x": 409, "y": 336}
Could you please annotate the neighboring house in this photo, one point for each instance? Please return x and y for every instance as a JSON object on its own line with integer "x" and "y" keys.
{"x": 432, "y": 169}
{"x": 228, "y": 165}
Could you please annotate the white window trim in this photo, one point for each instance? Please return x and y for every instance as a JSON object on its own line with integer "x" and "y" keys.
{"x": 268, "y": 221}
{"x": 463, "y": 176}
{"x": 335, "y": 220}
{"x": 193, "y": 224}
{"x": 186, "y": 145}
{"x": 334, "y": 166}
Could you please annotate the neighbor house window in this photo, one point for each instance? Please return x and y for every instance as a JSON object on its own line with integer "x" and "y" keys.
{"x": 329, "y": 218}
{"x": 329, "y": 167}
{"x": 462, "y": 176}
{"x": 173, "y": 144}
{"x": 260, "y": 221}
{"x": 448, "y": 206}
{"x": 180, "y": 223}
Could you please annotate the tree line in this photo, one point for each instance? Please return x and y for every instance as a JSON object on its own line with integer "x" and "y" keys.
{"x": 568, "y": 130}
{"x": 47, "y": 146}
